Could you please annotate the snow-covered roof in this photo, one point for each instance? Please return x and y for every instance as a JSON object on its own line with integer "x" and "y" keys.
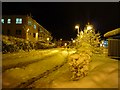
{"x": 112, "y": 33}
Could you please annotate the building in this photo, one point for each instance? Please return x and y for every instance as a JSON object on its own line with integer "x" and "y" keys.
{"x": 113, "y": 43}
{"x": 23, "y": 26}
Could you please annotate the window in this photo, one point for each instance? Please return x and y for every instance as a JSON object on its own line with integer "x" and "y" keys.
{"x": 40, "y": 30}
{"x": 29, "y": 22}
{"x": 2, "y": 20}
{"x": 9, "y": 21}
{"x": 18, "y": 20}
{"x": 34, "y": 35}
{"x": 18, "y": 32}
{"x": 34, "y": 26}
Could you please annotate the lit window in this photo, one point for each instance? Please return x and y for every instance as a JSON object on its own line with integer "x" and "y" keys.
{"x": 34, "y": 26}
{"x": 9, "y": 21}
{"x": 29, "y": 23}
{"x": 40, "y": 30}
{"x": 18, "y": 20}
{"x": 2, "y": 20}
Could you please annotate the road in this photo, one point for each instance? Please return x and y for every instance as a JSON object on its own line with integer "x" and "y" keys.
{"x": 22, "y": 69}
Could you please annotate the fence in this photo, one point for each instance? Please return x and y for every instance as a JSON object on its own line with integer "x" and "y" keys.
{"x": 114, "y": 48}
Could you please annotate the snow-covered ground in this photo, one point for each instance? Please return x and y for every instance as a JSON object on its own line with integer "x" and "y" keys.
{"x": 103, "y": 71}
{"x": 15, "y": 76}
{"x": 15, "y": 58}
{"x": 103, "y": 74}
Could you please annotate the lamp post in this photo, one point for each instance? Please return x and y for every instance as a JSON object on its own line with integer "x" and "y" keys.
{"x": 77, "y": 27}
{"x": 89, "y": 28}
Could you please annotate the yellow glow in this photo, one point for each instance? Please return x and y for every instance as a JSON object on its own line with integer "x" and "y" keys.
{"x": 36, "y": 36}
{"x": 81, "y": 36}
{"x": 65, "y": 44}
{"x": 48, "y": 39}
{"x": 77, "y": 27}
{"x": 61, "y": 39}
{"x": 89, "y": 27}
{"x": 81, "y": 32}
{"x": 27, "y": 29}
{"x": 73, "y": 41}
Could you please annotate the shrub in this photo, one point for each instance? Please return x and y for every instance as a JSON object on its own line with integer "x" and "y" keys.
{"x": 79, "y": 65}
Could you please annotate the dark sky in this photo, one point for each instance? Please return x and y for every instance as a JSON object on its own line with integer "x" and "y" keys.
{"x": 60, "y": 18}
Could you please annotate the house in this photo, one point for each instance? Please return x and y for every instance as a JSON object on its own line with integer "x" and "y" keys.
{"x": 24, "y": 26}
{"x": 113, "y": 43}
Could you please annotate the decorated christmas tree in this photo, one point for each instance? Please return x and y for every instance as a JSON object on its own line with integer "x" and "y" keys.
{"x": 87, "y": 44}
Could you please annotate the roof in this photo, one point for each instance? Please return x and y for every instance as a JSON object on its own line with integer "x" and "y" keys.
{"x": 112, "y": 33}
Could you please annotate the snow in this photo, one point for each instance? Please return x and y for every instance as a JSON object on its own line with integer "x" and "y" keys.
{"x": 15, "y": 58}
{"x": 15, "y": 76}
{"x": 103, "y": 71}
{"x": 103, "y": 74}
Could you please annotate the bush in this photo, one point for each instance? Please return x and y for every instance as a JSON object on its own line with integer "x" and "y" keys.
{"x": 13, "y": 44}
{"x": 79, "y": 65}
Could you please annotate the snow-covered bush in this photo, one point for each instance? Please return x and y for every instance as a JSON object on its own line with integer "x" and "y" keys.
{"x": 13, "y": 44}
{"x": 79, "y": 65}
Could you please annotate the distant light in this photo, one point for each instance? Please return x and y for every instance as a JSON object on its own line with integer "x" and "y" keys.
{"x": 48, "y": 39}
{"x": 77, "y": 27}
{"x": 65, "y": 44}
{"x": 28, "y": 29}
{"x": 61, "y": 39}
{"x": 89, "y": 27}
{"x": 37, "y": 36}
{"x": 101, "y": 45}
{"x": 73, "y": 41}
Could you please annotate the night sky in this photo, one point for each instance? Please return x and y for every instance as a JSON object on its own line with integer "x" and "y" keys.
{"x": 60, "y": 18}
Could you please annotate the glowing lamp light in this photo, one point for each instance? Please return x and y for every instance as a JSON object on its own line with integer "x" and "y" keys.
{"x": 77, "y": 27}
{"x": 48, "y": 39}
{"x": 27, "y": 29}
{"x": 61, "y": 39}
{"x": 73, "y": 41}
{"x": 65, "y": 44}
{"x": 89, "y": 27}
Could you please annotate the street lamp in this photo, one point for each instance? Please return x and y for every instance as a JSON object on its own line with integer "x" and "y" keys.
{"x": 77, "y": 27}
{"x": 89, "y": 27}
{"x": 28, "y": 29}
